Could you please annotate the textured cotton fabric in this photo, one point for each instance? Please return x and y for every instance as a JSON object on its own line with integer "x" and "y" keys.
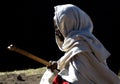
{"x": 85, "y": 56}
{"x": 76, "y": 26}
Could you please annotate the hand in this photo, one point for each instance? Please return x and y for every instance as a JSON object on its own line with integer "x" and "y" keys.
{"x": 53, "y": 65}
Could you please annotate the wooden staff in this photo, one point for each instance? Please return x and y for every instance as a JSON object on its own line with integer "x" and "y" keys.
{"x": 25, "y": 53}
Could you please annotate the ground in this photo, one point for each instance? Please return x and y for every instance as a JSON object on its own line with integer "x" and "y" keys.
{"x": 30, "y": 76}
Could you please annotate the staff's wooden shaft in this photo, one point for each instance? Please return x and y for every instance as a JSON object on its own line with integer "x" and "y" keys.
{"x": 25, "y": 53}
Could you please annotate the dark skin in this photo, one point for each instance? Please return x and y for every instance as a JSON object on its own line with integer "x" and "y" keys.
{"x": 58, "y": 33}
{"x": 53, "y": 65}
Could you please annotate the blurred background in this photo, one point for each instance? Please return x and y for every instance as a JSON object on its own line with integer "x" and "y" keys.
{"x": 29, "y": 25}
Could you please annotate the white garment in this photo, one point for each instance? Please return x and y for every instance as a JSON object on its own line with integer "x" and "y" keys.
{"x": 48, "y": 76}
{"x": 83, "y": 61}
{"x": 84, "y": 68}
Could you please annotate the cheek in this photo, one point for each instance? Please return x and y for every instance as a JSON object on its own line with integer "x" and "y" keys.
{"x": 58, "y": 33}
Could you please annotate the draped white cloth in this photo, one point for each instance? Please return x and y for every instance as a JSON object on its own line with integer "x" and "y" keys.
{"x": 85, "y": 56}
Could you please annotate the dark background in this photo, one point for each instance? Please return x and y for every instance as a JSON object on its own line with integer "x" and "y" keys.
{"x": 29, "y": 25}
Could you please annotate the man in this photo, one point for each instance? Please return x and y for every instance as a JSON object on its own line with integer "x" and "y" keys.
{"x": 84, "y": 61}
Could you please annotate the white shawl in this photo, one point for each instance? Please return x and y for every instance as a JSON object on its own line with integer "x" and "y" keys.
{"x": 76, "y": 25}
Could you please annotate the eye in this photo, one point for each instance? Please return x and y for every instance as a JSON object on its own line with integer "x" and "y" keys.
{"x": 55, "y": 26}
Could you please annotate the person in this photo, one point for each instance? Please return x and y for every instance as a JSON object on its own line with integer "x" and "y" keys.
{"x": 84, "y": 59}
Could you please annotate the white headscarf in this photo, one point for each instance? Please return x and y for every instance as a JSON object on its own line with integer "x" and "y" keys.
{"x": 75, "y": 25}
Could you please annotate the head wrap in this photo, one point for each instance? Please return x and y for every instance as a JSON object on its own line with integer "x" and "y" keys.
{"x": 75, "y": 25}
